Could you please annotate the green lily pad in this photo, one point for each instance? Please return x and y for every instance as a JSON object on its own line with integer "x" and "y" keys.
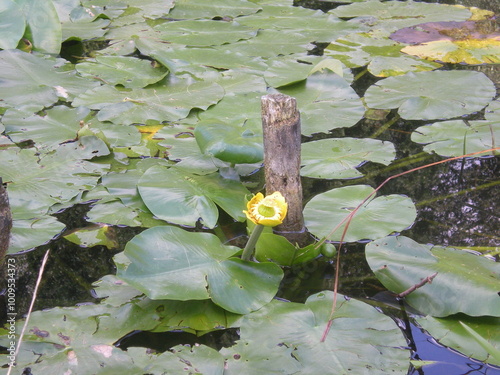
{"x": 234, "y": 144}
{"x": 171, "y": 263}
{"x": 30, "y": 233}
{"x": 183, "y": 198}
{"x": 377, "y": 218}
{"x": 204, "y": 32}
{"x": 222, "y": 8}
{"x": 477, "y": 338}
{"x": 120, "y": 70}
{"x": 284, "y": 336}
{"x": 43, "y": 25}
{"x": 326, "y": 101}
{"x": 456, "y": 137}
{"x": 38, "y": 182}
{"x": 31, "y": 82}
{"x": 394, "y": 15}
{"x": 58, "y": 125}
{"x": 13, "y": 24}
{"x": 163, "y": 103}
{"x": 381, "y": 55}
{"x": 465, "y": 282}
{"x": 432, "y": 95}
{"x": 338, "y": 158}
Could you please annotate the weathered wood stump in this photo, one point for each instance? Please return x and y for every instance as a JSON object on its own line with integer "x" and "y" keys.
{"x": 5, "y": 222}
{"x": 281, "y": 129}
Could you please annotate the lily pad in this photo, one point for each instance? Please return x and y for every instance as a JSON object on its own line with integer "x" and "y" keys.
{"x": 36, "y": 183}
{"x": 456, "y": 137}
{"x": 326, "y": 101}
{"x": 465, "y": 282}
{"x": 204, "y": 32}
{"x": 56, "y": 126}
{"x": 44, "y": 27}
{"x": 183, "y": 198}
{"x": 120, "y": 70}
{"x": 375, "y": 219}
{"x": 381, "y": 55}
{"x": 99, "y": 235}
{"x": 234, "y": 144}
{"x": 284, "y": 335}
{"x": 432, "y": 95}
{"x": 171, "y": 263}
{"x": 222, "y": 8}
{"x": 163, "y": 103}
{"x": 338, "y": 158}
{"x": 394, "y": 15}
{"x": 31, "y": 82}
{"x": 477, "y": 338}
{"x": 13, "y": 24}
{"x": 30, "y": 233}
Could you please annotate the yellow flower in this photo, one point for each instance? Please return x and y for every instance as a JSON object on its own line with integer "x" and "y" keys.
{"x": 269, "y": 211}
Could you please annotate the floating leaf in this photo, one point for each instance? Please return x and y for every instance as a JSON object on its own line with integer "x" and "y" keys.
{"x": 171, "y": 263}
{"x": 338, "y": 158}
{"x": 204, "y": 32}
{"x": 477, "y": 338}
{"x": 465, "y": 282}
{"x": 183, "y": 198}
{"x": 31, "y": 82}
{"x": 326, "y": 102}
{"x": 231, "y": 143}
{"x": 284, "y": 336}
{"x": 44, "y": 27}
{"x": 394, "y": 15}
{"x": 36, "y": 183}
{"x": 222, "y": 8}
{"x": 432, "y": 95}
{"x": 58, "y": 125}
{"x": 120, "y": 70}
{"x": 377, "y": 218}
{"x": 28, "y": 234}
{"x": 456, "y": 137}
{"x": 172, "y": 102}
{"x": 381, "y": 55}
{"x": 13, "y": 24}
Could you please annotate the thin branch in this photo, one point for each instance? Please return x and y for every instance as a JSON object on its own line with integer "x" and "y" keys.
{"x": 39, "y": 279}
{"x": 426, "y": 280}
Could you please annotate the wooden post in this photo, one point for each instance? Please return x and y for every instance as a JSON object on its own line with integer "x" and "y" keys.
{"x": 281, "y": 129}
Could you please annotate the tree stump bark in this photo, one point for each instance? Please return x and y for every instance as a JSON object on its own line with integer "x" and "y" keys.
{"x": 281, "y": 130}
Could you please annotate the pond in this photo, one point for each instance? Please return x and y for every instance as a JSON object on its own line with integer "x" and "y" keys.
{"x": 152, "y": 144}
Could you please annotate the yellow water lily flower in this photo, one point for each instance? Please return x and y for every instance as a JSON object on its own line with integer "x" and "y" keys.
{"x": 268, "y": 211}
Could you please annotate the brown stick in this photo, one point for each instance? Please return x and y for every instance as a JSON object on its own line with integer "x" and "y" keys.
{"x": 411, "y": 289}
{"x": 281, "y": 129}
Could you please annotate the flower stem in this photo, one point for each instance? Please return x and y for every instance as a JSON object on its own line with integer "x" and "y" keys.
{"x": 250, "y": 246}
